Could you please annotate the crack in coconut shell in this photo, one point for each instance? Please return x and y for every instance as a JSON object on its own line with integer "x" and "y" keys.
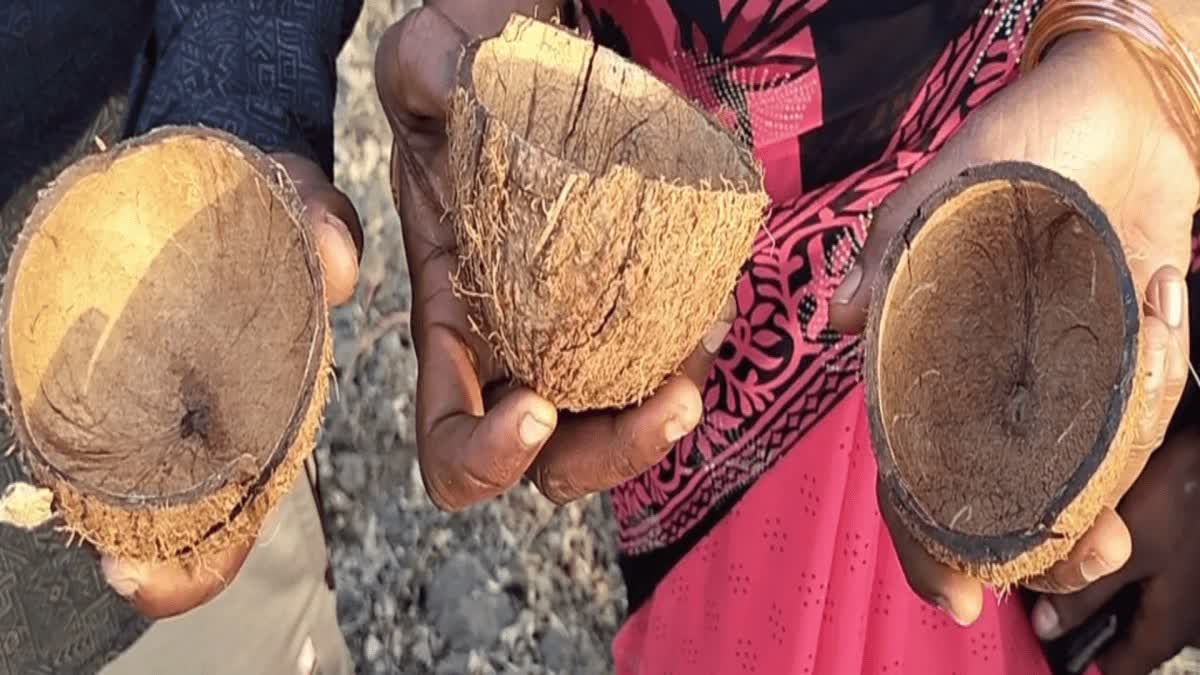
{"x": 166, "y": 345}
{"x": 601, "y": 220}
{"x": 1003, "y": 384}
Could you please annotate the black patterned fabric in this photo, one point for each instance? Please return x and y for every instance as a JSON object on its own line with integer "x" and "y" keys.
{"x": 72, "y": 71}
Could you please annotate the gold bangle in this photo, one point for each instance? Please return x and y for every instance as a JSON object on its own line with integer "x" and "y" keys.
{"x": 1145, "y": 28}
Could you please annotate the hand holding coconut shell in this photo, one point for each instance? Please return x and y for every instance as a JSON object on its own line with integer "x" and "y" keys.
{"x": 1028, "y": 341}
{"x": 132, "y": 310}
{"x": 171, "y": 588}
{"x": 594, "y": 226}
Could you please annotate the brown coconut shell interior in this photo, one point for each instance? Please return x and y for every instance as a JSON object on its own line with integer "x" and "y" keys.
{"x": 593, "y": 109}
{"x": 164, "y": 333}
{"x": 1001, "y": 355}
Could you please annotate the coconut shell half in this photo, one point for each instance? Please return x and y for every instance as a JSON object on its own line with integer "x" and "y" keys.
{"x": 601, "y": 219}
{"x": 1002, "y": 370}
{"x": 166, "y": 349}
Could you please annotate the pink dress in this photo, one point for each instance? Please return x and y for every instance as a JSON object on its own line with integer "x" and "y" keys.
{"x": 757, "y": 546}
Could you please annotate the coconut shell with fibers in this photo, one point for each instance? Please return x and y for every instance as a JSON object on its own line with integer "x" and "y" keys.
{"x": 601, "y": 219}
{"x": 1003, "y": 383}
{"x": 166, "y": 348}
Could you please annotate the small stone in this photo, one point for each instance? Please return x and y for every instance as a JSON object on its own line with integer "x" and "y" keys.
{"x": 476, "y": 621}
{"x": 441, "y": 538}
{"x": 351, "y": 471}
{"x": 457, "y": 578}
{"x": 397, "y": 646}
{"x": 478, "y": 665}
{"x": 556, "y": 648}
{"x": 389, "y": 345}
{"x": 422, "y": 652}
{"x": 372, "y": 648}
{"x": 454, "y": 664}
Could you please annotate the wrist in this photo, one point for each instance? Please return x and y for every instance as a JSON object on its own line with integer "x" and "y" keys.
{"x": 1140, "y": 49}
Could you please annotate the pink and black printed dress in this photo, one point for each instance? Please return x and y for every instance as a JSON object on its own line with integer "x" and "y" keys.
{"x": 757, "y": 546}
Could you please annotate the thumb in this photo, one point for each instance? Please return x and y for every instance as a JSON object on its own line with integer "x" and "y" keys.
{"x": 162, "y": 590}
{"x": 848, "y": 306}
{"x": 334, "y": 222}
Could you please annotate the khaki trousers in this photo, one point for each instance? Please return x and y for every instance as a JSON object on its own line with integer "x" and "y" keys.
{"x": 260, "y": 622}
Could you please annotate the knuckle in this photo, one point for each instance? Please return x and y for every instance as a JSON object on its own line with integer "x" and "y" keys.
{"x": 393, "y": 57}
{"x": 634, "y": 449}
{"x": 626, "y": 463}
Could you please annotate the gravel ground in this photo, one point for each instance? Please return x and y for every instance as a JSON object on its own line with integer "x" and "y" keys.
{"x": 513, "y": 585}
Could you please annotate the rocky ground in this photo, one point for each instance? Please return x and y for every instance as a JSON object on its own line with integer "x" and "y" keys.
{"x": 513, "y": 585}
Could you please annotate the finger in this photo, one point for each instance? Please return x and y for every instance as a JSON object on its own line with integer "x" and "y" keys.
{"x": 596, "y": 452}
{"x": 1101, "y": 551}
{"x": 335, "y": 226}
{"x": 415, "y": 66}
{"x": 1147, "y": 436}
{"x": 466, "y": 456}
{"x": 848, "y": 306}
{"x": 415, "y": 69}
{"x": 163, "y": 590}
{"x": 1153, "y": 637}
{"x": 953, "y": 592}
{"x": 339, "y": 261}
{"x": 1055, "y": 615}
{"x": 1167, "y": 301}
{"x": 700, "y": 361}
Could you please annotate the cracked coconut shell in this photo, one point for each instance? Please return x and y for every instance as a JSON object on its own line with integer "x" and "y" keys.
{"x": 1003, "y": 383}
{"x": 601, "y": 219}
{"x": 166, "y": 349}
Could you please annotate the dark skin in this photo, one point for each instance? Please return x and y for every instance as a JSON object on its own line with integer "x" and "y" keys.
{"x": 477, "y": 434}
{"x": 1162, "y": 511}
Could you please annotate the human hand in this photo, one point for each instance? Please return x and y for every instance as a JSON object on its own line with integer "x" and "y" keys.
{"x": 1162, "y": 511}
{"x": 477, "y": 433}
{"x": 168, "y": 589}
{"x": 1088, "y": 112}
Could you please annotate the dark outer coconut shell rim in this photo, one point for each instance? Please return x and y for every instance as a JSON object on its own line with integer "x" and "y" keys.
{"x": 282, "y": 188}
{"x": 1001, "y": 548}
{"x": 466, "y": 82}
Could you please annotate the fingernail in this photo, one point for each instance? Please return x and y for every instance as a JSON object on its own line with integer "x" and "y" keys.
{"x": 1045, "y": 620}
{"x": 943, "y": 604}
{"x": 347, "y": 239}
{"x": 343, "y": 231}
{"x": 1092, "y": 568}
{"x": 675, "y": 430}
{"x": 534, "y": 431}
{"x": 332, "y": 236}
{"x": 1171, "y": 295}
{"x": 715, "y": 336}
{"x": 845, "y": 292}
{"x": 124, "y": 578}
{"x": 307, "y": 662}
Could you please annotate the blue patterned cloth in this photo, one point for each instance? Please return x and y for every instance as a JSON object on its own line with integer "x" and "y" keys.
{"x": 262, "y": 69}
{"x": 73, "y": 70}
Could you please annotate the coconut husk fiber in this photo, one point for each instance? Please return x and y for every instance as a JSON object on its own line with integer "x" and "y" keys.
{"x": 165, "y": 348}
{"x": 601, "y": 219}
{"x": 1002, "y": 370}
